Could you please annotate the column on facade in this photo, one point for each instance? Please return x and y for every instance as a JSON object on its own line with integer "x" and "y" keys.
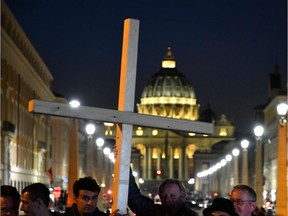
{"x": 96, "y": 165}
{"x": 229, "y": 176}
{"x": 159, "y": 162}
{"x": 144, "y": 168}
{"x": 212, "y": 179}
{"x": 235, "y": 176}
{"x": 186, "y": 174}
{"x": 73, "y": 162}
{"x": 149, "y": 162}
{"x": 101, "y": 167}
{"x": 7, "y": 160}
{"x": 171, "y": 164}
{"x": 184, "y": 162}
{"x": 89, "y": 157}
{"x": 180, "y": 176}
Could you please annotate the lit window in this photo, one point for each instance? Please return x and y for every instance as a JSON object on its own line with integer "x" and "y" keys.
{"x": 168, "y": 64}
{"x": 139, "y": 131}
{"x": 223, "y": 132}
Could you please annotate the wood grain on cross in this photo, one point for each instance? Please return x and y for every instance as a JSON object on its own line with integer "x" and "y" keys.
{"x": 124, "y": 117}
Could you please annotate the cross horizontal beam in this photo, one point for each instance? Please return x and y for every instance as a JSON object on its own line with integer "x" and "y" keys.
{"x": 120, "y": 117}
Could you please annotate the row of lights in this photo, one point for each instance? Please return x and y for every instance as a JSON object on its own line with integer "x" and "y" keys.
{"x": 222, "y": 163}
{"x": 282, "y": 109}
{"x": 258, "y": 131}
{"x": 90, "y": 130}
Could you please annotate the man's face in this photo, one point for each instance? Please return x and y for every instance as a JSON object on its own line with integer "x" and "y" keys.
{"x": 28, "y": 206}
{"x": 86, "y": 201}
{"x": 243, "y": 204}
{"x": 171, "y": 196}
{"x": 9, "y": 206}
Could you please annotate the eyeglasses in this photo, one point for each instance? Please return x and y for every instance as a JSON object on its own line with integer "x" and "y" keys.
{"x": 241, "y": 202}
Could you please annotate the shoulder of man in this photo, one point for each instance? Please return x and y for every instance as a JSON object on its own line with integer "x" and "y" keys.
{"x": 70, "y": 211}
{"x": 187, "y": 211}
{"x": 99, "y": 213}
{"x": 55, "y": 213}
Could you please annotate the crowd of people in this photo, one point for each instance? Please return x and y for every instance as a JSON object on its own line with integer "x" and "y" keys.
{"x": 35, "y": 199}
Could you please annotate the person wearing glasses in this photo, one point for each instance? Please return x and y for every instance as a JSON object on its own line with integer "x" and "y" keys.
{"x": 10, "y": 200}
{"x": 86, "y": 191}
{"x": 244, "y": 199}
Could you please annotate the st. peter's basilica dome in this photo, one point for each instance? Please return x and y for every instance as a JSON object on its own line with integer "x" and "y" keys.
{"x": 169, "y": 93}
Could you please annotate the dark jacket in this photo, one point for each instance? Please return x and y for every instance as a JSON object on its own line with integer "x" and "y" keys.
{"x": 144, "y": 206}
{"x": 74, "y": 212}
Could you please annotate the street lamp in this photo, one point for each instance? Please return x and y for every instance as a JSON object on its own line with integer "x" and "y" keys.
{"x": 74, "y": 103}
{"x": 244, "y": 145}
{"x": 100, "y": 142}
{"x": 258, "y": 131}
{"x": 90, "y": 130}
{"x": 281, "y": 199}
{"x": 235, "y": 153}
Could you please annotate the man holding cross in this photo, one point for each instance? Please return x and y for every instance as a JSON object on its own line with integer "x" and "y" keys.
{"x": 172, "y": 195}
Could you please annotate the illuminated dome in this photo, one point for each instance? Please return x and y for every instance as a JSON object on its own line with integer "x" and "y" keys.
{"x": 169, "y": 93}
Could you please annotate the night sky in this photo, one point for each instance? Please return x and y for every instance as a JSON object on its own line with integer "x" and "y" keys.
{"x": 225, "y": 48}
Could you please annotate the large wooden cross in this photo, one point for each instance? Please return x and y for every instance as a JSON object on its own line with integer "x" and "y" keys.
{"x": 123, "y": 117}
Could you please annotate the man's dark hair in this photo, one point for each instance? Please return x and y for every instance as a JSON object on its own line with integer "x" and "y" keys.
{"x": 166, "y": 182}
{"x": 38, "y": 191}
{"x": 9, "y": 191}
{"x": 86, "y": 183}
{"x": 250, "y": 191}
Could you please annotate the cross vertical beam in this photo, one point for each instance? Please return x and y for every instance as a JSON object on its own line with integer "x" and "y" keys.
{"x": 125, "y": 103}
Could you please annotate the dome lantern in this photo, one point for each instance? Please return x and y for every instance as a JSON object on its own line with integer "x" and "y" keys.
{"x": 168, "y": 60}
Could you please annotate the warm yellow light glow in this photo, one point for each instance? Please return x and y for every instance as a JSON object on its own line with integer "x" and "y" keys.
{"x": 176, "y": 153}
{"x": 190, "y": 150}
{"x": 139, "y": 131}
{"x": 108, "y": 132}
{"x": 155, "y": 132}
{"x": 108, "y": 124}
{"x": 192, "y": 134}
{"x": 168, "y": 64}
{"x": 168, "y": 100}
{"x": 154, "y": 153}
{"x": 223, "y": 132}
